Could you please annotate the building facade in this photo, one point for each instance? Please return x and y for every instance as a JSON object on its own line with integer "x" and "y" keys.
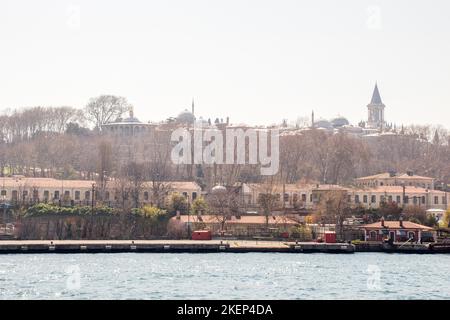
{"x": 308, "y": 196}
{"x": 397, "y": 231}
{"x": 395, "y": 179}
{"x": 22, "y": 190}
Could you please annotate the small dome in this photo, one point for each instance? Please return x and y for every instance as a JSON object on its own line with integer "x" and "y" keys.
{"x": 186, "y": 117}
{"x": 323, "y": 124}
{"x": 218, "y": 189}
{"x": 339, "y": 122}
{"x": 131, "y": 119}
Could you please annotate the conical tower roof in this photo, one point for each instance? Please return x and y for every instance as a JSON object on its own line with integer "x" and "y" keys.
{"x": 376, "y": 99}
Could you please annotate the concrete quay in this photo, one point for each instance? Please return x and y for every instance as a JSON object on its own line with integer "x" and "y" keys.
{"x": 168, "y": 246}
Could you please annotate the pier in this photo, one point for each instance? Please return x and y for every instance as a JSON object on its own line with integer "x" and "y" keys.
{"x": 168, "y": 246}
{"x": 208, "y": 246}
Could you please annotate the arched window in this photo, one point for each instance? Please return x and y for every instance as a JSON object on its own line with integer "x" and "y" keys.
{"x": 373, "y": 235}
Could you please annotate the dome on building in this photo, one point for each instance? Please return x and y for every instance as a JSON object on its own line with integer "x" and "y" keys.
{"x": 339, "y": 122}
{"x": 186, "y": 117}
{"x": 218, "y": 189}
{"x": 131, "y": 118}
{"x": 323, "y": 124}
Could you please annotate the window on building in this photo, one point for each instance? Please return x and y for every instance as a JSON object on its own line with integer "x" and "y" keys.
{"x": 14, "y": 195}
{"x": 185, "y": 194}
{"x": 46, "y": 195}
{"x": 303, "y": 197}
{"x": 107, "y": 195}
{"x": 310, "y": 197}
{"x": 77, "y": 195}
{"x": 406, "y": 200}
{"x": 194, "y": 195}
{"x": 349, "y": 198}
{"x": 365, "y": 198}
{"x": 356, "y": 198}
{"x": 3, "y": 193}
{"x": 399, "y": 199}
{"x": 373, "y": 199}
{"x": 35, "y": 194}
{"x": 87, "y": 195}
{"x": 444, "y": 200}
{"x": 390, "y": 199}
{"x": 423, "y": 200}
{"x": 56, "y": 195}
{"x": 415, "y": 200}
{"x": 295, "y": 197}
{"x": 436, "y": 200}
{"x": 145, "y": 196}
{"x": 382, "y": 199}
{"x": 66, "y": 195}
{"x": 373, "y": 235}
{"x": 24, "y": 194}
{"x": 286, "y": 197}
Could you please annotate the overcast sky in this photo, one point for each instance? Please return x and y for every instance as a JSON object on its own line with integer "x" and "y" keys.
{"x": 256, "y": 61}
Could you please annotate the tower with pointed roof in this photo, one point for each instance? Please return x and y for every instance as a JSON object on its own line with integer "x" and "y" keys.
{"x": 376, "y": 110}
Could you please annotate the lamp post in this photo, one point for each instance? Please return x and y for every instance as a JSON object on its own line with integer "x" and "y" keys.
{"x": 92, "y": 198}
{"x": 4, "y": 210}
{"x": 404, "y": 195}
{"x": 189, "y": 215}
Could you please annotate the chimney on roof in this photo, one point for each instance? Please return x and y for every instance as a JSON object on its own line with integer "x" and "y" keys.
{"x": 382, "y": 221}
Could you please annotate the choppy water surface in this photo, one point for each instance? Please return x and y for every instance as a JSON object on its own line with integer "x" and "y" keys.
{"x": 225, "y": 276}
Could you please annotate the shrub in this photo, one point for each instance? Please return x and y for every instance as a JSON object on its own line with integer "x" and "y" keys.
{"x": 152, "y": 213}
{"x": 301, "y": 232}
{"x": 43, "y": 209}
{"x": 199, "y": 206}
{"x": 178, "y": 203}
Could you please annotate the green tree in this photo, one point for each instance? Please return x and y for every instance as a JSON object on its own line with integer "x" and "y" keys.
{"x": 199, "y": 206}
{"x": 445, "y": 223}
{"x": 178, "y": 203}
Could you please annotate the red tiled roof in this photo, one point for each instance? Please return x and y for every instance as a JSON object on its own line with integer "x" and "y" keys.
{"x": 26, "y": 182}
{"x": 387, "y": 175}
{"x": 273, "y": 220}
{"x": 395, "y": 225}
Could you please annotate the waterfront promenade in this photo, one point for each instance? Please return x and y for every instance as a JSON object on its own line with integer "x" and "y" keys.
{"x": 208, "y": 246}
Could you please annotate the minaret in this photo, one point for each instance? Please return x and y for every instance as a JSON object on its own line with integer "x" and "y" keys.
{"x": 376, "y": 110}
{"x": 312, "y": 119}
{"x": 193, "y": 113}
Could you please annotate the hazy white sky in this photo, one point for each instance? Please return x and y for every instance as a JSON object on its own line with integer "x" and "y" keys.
{"x": 257, "y": 61}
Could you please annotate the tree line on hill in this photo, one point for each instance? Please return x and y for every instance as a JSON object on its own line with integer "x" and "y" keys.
{"x": 68, "y": 143}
